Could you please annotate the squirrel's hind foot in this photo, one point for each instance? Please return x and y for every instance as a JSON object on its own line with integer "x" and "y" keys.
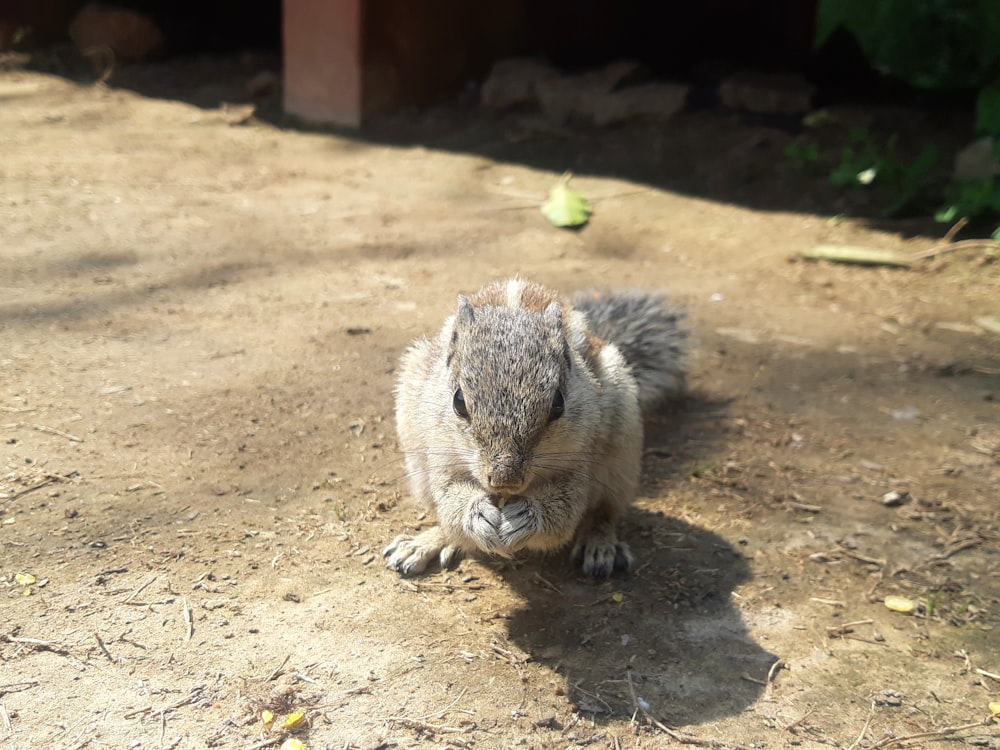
{"x": 410, "y": 555}
{"x": 600, "y": 557}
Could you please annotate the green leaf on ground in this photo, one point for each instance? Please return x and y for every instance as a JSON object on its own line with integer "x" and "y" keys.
{"x": 566, "y": 207}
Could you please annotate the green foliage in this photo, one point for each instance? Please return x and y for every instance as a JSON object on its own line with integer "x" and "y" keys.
{"x": 970, "y": 198}
{"x": 988, "y": 111}
{"x": 802, "y": 154}
{"x": 864, "y": 161}
{"x": 928, "y": 43}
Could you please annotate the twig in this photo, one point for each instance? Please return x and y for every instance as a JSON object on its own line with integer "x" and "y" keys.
{"x": 192, "y": 695}
{"x": 799, "y": 720}
{"x": 950, "y": 247}
{"x": 54, "y": 431}
{"x": 104, "y": 648}
{"x": 17, "y": 687}
{"x": 32, "y": 488}
{"x": 593, "y": 696}
{"x": 889, "y": 741}
{"x": 831, "y": 602}
{"x": 844, "y": 628}
{"x": 277, "y": 670}
{"x": 135, "y": 593}
{"x": 984, "y": 673}
{"x": 778, "y": 664}
{"x": 955, "y": 229}
{"x": 171, "y": 600}
{"x": 548, "y": 584}
{"x": 684, "y": 739}
{"x": 863, "y": 558}
{"x": 418, "y": 724}
{"x": 53, "y": 646}
{"x": 189, "y": 620}
{"x": 266, "y": 743}
{"x": 446, "y": 709}
{"x": 864, "y": 729}
{"x": 955, "y": 549}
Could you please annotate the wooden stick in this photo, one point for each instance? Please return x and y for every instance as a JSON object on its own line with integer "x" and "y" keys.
{"x": 889, "y": 741}
{"x": 685, "y": 739}
{"x": 135, "y": 593}
{"x": 54, "y": 431}
{"x": 16, "y": 687}
{"x": 955, "y": 229}
{"x": 189, "y": 620}
{"x": 104, "y": 648}
{"x": 950, "y": 247}
{"x": 864, "y": 729}
{"x": 277, "y": 670}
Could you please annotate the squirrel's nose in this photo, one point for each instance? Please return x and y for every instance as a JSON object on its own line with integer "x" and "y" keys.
{"x": 503, "y": 485}
{"x": 505, "y": 475}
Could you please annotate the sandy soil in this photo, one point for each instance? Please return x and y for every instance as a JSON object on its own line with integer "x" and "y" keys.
{"x": 200, "y": 317}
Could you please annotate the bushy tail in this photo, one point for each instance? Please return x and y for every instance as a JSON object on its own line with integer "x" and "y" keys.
{"x": 650, "y": 335}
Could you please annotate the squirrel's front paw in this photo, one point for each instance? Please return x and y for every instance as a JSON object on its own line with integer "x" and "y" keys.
{"x": 410, "y": 555}
{"x": 600, "y": 557}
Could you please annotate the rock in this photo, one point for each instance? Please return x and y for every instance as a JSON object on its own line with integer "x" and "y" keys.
{"x": 596, "y": 96}
{"x": 767, "y": 93}
{"x": 977, "y": 161}
{"x": 264, "y": 83}
{"x": 656, "y": 101}
{"x": 564, "y": 97}
{"x": 895, "y": 498}
{"x": 127, "y": 33}
{"x": 514, "y": 82}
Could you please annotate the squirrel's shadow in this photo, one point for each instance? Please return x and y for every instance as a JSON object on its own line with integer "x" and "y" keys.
{"x": 666, "y": 634}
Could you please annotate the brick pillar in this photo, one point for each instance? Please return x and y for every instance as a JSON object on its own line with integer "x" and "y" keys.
{"x": 323, "y": 65}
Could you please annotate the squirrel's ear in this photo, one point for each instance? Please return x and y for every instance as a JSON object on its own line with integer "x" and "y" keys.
{"x": 553, "y": 316}
{"x": 466, "y": 316}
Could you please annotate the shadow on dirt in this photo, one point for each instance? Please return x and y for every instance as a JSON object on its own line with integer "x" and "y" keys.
{"x": 667, "y": 635}
{"x": 708, "y": 152}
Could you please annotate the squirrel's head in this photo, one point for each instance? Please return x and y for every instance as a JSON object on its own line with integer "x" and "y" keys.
{"x": 509, "y": 369}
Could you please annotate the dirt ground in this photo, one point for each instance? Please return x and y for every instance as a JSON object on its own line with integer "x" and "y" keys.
{"x": 200, "y": 317}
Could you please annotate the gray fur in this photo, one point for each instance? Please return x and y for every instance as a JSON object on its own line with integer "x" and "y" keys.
{"x": 648, "y": 332}
{"x": 502, "y": 468}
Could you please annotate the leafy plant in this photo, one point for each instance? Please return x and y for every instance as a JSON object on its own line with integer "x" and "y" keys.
{"x": 863, "y": 161}
{"x": 977, "y": 197}
{"x": 988, "y": 111}
{"x": 927, "y": 43}
{"x": 931, "y": 44}
{"x": 802, "y": 155}
{"x": 970, "y": 198}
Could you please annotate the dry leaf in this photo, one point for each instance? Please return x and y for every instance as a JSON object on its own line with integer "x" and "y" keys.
{"x": 859, "y": 256}
{"x": 901, "y": 604}
{"x": 294, "y": 719}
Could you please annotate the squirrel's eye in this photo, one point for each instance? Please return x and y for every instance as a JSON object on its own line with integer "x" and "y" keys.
{"x": 558, "y": 406}
{"x": 458, "y": 404}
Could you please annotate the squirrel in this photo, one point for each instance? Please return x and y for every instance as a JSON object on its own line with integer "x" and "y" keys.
{"x": 521, "y": 422}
